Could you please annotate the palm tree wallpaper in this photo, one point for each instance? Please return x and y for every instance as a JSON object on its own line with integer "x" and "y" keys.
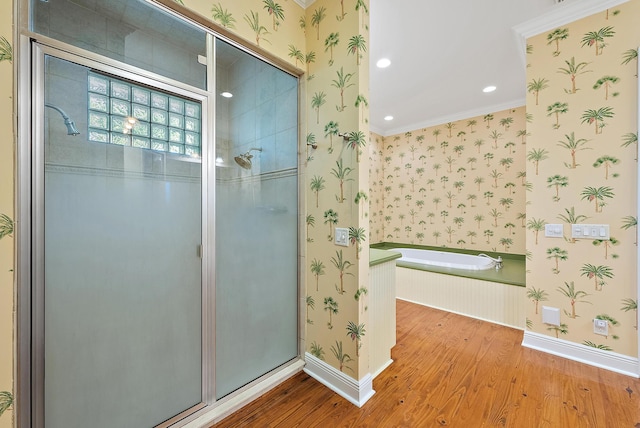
{"x": 6, "y": 218}
{"x": 336, "y": 183}
{"x": 489, "y": 182}
{"x": 462, "y": 184}
{"x": 329, "y": 41}
{"x": 582, "y": 168}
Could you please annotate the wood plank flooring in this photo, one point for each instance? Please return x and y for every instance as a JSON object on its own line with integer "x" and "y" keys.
{"x": 454, "y": 371}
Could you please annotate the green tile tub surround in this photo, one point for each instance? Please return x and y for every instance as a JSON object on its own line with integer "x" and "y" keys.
{"x": 378, "y": 256}
{"x": 513, "y": 266}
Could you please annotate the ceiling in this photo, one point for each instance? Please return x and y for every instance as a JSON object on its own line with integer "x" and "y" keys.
{"x": 443, "y": 53}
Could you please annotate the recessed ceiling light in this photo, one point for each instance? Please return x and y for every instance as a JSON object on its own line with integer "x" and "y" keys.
{"x": 383, "y": 63}
{"x": 226, "y": 94}
{"x": 388, "y": 118}
{"x": 489, "y": 89}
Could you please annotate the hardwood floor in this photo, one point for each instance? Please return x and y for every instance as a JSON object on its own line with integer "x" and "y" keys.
{"x": 455, "y": 371}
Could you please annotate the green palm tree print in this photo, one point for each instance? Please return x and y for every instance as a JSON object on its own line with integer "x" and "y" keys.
{"x": 342, "y": 83}
{"x": 557, "y": 254}
{"x": 331, "y": 42}
{"x": 310, "y": 304}
{"x": 342, "y": 357}
{"x": 330, "y": 218}
{"x": 357, "y": 235}
{"x": 342, "y": 265}
{"x": 597, "y": 38}
{"x": 357, "y": 44}
{"x": 6, "y": 226}
{"x": 356, "y": 332}
{"x": 318, "y": 16}
{"x": 536, "y": 296}
{"x": 597, "y": 194}
{"x": 573, "y": 295}
{"x": 6, "y": 52}
{"x": 606, "y": 82}
{"x": 6, "y": 401}
{"x": 317, "y": 351}
{"x": 317, "y": 269}
{"x": 342, "y": 174}
{"x": 535, "y": 86}
{"x": 317, "y": 184}
{"x": 573, "y": 145}
{"x": 597, "y": 273}
{"x": 254, "y": 23}
{"x": 317, "y": 101}
{"x": 572, "y": 70}
{"x": 597, "y": 117}
{"x": 276, "y": 11}
{"x": 556, "y": 36}
{"x": 330, "y": 306}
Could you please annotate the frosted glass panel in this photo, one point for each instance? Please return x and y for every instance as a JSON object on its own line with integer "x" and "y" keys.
{"x": 256, "y": 222}
{"x": 122, "y": 272}
{"x": 135, "y": 32}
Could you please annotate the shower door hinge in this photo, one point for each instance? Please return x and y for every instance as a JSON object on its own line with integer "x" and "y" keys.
{"x": 199, "y": 251}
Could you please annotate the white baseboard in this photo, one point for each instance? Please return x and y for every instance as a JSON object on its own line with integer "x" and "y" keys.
{"x": 584, "y": 354}
{"x": 218, "y": 412}
{"x": 382, "y": 367}
{"x": 356, "y": 392}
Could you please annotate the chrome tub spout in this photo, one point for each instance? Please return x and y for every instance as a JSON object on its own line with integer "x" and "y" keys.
{"x": 497, "y": 262}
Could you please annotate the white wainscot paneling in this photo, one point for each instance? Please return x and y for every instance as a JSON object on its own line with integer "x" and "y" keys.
{"x": 489, "y": 301}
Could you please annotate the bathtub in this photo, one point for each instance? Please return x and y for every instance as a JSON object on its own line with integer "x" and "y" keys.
{"x": 463, "y": 284}
{"x": 444, "y": 259}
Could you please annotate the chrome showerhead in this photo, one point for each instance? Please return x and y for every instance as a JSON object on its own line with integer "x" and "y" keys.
{"x": 244, "y": 159}
{"x": 71, "y": 127}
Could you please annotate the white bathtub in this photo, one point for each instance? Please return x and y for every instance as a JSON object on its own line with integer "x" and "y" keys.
{"x": 444, "y": 259}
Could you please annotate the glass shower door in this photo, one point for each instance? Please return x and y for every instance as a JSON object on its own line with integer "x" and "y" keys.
{"x": 256, "y": 219}
{"x": 121, "y": 290}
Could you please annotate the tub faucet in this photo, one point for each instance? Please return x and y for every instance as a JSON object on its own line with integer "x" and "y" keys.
{"x": 497, "y": 262}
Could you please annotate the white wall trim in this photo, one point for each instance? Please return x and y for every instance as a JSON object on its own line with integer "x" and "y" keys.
{"x": 219, "y": 412}
{"x": 382, "y": 368}
{"x": 638, "y": 252}
{"x": 562, "y": 14}
{"x": 356, "y": 392}
{"x": 519, "y": 102}
{"x": 304, "y": 3}
{"x": 618, "y": 363}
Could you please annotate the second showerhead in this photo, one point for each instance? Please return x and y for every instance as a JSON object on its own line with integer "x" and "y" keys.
{"x": 244, "y": 159}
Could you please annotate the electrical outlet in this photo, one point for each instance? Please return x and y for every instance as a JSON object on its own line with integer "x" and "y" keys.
{"x": 601, "y": 327}
{"x": 341, "y": 236}
{"x": 550, "y": 315}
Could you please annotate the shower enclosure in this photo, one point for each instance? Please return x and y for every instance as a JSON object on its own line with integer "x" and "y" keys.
{"x": 256, "y": 218}
{"x": 162, "y": 215}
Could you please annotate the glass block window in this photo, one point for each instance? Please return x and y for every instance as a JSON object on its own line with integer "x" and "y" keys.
{"x": 129, "y": 115}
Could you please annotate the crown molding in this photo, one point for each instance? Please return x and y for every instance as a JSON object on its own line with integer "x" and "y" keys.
{"x": 562, "y": 14}
{"x": 304, "y": 3}
{"x": 453, "y": 117}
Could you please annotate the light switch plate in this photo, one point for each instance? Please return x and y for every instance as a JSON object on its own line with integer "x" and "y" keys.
{"x": 590, "y": 231}
{"x": 553, "y": 230}
{"x": 341, "y": 236}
